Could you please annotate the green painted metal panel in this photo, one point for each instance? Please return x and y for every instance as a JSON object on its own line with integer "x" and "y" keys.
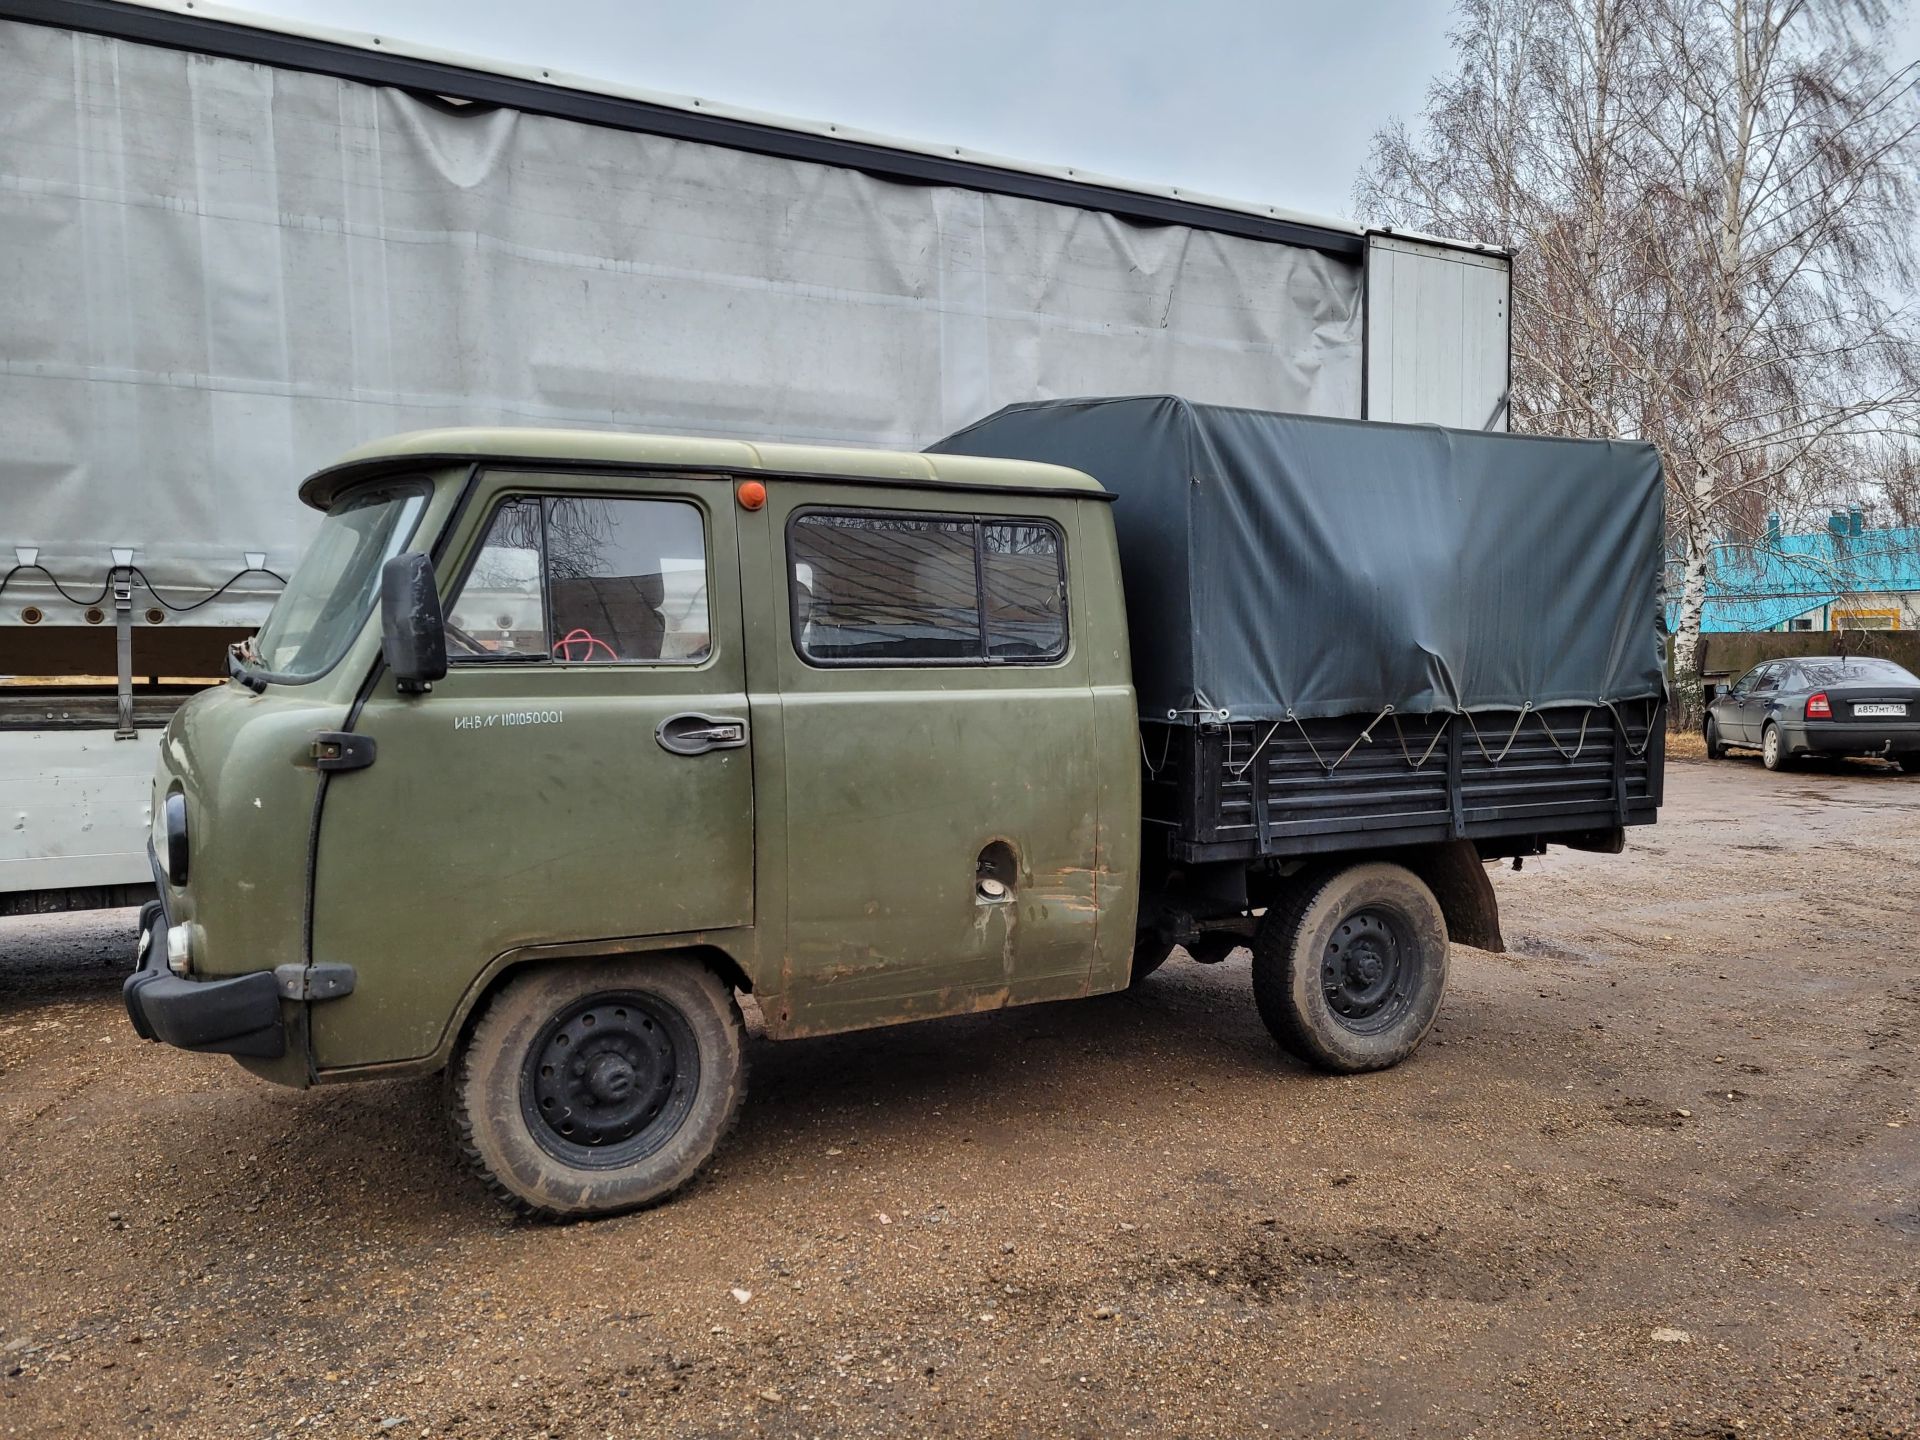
{"x": 898, "y": 778}
{"x": 526, "y": 805}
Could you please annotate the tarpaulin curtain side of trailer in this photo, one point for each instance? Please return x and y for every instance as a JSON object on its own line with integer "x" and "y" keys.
{"x": 226, "y": 273}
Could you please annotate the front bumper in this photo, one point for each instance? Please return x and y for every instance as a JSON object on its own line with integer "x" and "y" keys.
{"x": 1848, "y": 737}
{"x": 235, "y": 1016}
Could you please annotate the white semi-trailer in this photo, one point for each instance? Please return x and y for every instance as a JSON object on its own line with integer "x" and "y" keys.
{"x": 232, "y": 248}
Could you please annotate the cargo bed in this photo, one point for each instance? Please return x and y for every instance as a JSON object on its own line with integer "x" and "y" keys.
{"x": 1249, "y": 790}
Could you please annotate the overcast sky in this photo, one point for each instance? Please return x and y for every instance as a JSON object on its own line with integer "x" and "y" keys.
{"x": 1268, "y": 100}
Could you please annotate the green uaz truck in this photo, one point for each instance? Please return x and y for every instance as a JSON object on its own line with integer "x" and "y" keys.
{"x": 557, "y": 741}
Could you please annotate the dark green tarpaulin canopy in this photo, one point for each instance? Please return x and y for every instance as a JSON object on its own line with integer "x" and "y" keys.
{"x": 1283, "y": 565}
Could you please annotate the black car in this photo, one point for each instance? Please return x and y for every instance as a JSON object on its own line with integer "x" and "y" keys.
{"x": 1819, "y": 705}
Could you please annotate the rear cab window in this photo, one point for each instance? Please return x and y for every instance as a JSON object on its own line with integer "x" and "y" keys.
{"x": 898, "y": 587}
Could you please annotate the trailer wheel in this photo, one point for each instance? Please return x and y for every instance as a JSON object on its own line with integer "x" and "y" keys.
{"x": 599, "y": 1086}
{"x": 1349, "y": 968}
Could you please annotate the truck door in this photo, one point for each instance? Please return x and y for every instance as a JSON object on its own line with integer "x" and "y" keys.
{"x": 582, "y": 774}
{"x": 938, "y": 739}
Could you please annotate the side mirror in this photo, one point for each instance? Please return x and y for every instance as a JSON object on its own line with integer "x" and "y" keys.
{"x": 413, "y": 632}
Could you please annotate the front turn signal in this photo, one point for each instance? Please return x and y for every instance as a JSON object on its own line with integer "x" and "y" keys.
{"x": 180, "y": 950}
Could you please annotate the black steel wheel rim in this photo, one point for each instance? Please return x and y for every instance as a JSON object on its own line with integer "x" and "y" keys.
{"x": 1370, "y": 969}
{"x": 609, "y": 1079}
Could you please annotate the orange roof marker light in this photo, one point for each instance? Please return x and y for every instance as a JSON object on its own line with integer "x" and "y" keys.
{"x": 751, "y": 494}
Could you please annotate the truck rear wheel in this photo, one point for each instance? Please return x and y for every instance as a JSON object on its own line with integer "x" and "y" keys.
{"x": 1350, "y": 967}
{"x": 598, "y": 1086}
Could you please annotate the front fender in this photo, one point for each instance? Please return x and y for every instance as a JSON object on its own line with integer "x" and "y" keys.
{"x": 721, "y": 949}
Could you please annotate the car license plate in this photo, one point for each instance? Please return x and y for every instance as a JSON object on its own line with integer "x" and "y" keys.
{"x": 1866, "y": 710}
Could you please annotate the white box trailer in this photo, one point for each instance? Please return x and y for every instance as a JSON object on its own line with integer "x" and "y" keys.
{"x": 235, "y": 246}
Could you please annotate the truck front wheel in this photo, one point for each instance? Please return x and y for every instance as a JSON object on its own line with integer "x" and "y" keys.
{"x": 598, "y": 1086}
{"x": 1350, "y": 966}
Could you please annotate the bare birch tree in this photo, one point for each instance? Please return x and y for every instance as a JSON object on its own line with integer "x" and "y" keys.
{"x": 1710, "y": 206}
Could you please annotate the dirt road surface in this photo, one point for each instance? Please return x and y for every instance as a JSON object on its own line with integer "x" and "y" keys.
{"x": 1657, "y": 1173}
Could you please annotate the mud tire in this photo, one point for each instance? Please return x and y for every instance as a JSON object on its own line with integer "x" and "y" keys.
{"x": 1298, "y": 946}
{"x": 487, "y": 1086}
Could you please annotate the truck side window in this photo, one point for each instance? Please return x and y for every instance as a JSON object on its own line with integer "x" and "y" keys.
{"x": 889, "y": 588}
{"x": 628, "y": 579}
{"x": 501, "y": 610}
{"x": 587, "y": 579}
{"x": 1024, "y": 583}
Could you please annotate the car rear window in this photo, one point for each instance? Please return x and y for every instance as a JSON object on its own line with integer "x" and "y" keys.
{"x": 1854, "y": 671}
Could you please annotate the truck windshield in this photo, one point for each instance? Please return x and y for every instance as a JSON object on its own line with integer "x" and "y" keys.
{"x": 326, "y": 601}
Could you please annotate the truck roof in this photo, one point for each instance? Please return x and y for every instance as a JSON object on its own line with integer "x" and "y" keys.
{"x": 592, "y": 448}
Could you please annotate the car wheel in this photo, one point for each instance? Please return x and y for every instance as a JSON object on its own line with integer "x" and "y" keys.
{"x": 598, "y": 1086}
{"x": 1350, "y": 968}
{"x": 1716, "y": 750}
{"x": 1773, "y": 748}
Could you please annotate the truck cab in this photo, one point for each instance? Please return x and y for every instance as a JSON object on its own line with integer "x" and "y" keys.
{"x": 557, "y": 741}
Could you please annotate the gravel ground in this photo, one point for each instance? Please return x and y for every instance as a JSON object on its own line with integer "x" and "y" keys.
{"x": 1656, "y": 1173}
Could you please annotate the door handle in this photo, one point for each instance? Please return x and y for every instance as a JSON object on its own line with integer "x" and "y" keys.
{"x": 691, "y": 733}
